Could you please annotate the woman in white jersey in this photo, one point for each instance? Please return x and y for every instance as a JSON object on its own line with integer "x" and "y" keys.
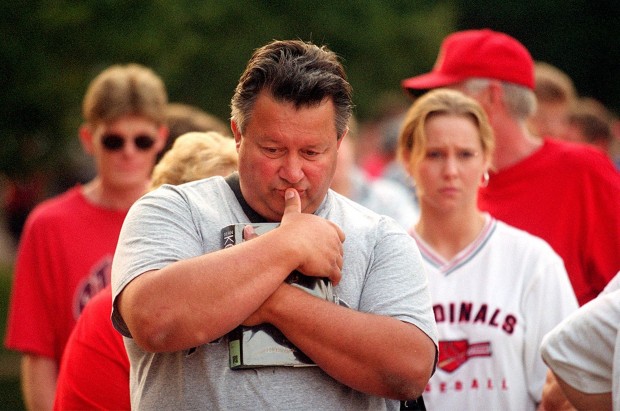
{"x": 496, "y": 290}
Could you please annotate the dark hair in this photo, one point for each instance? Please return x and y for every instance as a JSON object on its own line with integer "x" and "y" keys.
{"x": 593, "y": 119}
{"x": 183, "y": 118}
{"x": 297, "y": 72}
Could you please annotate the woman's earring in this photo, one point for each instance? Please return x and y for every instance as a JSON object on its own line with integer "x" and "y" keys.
{"x": 485, "y": 179}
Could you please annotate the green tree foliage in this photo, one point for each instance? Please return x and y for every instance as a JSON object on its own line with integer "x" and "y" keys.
{"x": 578, "y": 36}
{"x": 52, "y": 48}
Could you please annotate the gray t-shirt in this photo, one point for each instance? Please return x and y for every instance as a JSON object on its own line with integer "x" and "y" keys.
{"x": 382, "y": 274}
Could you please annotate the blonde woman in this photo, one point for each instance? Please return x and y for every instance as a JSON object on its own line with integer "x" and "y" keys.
{"x": 496, "y": 290}
{"x": 196, "y": 155}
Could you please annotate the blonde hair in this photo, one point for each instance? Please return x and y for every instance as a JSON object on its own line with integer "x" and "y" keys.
{"x": 412, "y": 139}
{"x": 125, "y": 89}
{"x": 193, "y": 156}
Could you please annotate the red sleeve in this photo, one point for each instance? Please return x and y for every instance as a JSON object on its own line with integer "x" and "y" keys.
{"x": 602, "y": 246}
{"x": 30, "y": 326}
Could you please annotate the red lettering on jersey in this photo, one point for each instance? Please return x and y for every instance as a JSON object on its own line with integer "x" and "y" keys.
{"x": 439, "y": 314}
{"x": 465, "y": 314}
{"x": 492, "y": 321}
{"x": 482, "y": 314}
{"x": 509, "y": 324}
{"x": 461, "y": 386}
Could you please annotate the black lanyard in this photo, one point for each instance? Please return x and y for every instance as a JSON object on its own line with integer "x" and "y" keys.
{"x": 233, "y": 182}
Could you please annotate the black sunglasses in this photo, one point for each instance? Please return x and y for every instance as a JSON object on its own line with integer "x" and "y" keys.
{"x": 115, "y": 142}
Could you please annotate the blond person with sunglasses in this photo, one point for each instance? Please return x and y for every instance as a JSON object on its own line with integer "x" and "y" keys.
{"x": 66, "y": 251}
{"x": 95, "y": 368}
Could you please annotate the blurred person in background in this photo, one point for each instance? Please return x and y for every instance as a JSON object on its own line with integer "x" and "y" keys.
{"x": 19, "y": 197}
{"x": 590, "y": 122}
{"x": 196, "y": 155}
{"x": 183, "y": 118}
{"x": 496, "y": 290}
{"x": 94, "y": 373}
{"x": 566, "y": 194}
{"x": 380, "y": 195}
{"x": 372, "y": 153}
{"x": 394, "y": 170}
{"x": 65, "y": 254}
{"x": 555, "y": 96}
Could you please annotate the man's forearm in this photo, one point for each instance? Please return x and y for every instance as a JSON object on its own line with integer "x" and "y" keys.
{"x": 585, "y": 401}
{"x": 38, "y": 380}
{"x": 374, "y": 354}
{"x": 194, "y": 301}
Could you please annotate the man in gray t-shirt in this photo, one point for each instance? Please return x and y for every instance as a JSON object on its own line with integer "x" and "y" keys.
{"x": 177, "y": 293}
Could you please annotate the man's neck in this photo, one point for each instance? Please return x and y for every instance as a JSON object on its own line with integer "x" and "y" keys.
{"x": 97, "y": 193}
{"x": 514, "y": 144}
{"x": 448, "y": 234}
{"x": 233, "y": 182}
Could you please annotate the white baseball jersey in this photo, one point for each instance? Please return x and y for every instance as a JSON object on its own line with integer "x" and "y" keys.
{"x": 613, "y": 284}
{"x": 493, "y": 303}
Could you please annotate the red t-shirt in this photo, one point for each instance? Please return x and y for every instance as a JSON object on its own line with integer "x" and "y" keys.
{"x": 94, "y": 374}
{"x": 64, "y": 258}
{"x": 569, "y": 195}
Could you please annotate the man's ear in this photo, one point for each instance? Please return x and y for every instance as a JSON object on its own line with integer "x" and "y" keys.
{"x": 85, "y": 133}
{"x": 236, "y": 133}
{"x": 163, "y": 133}
{"x": 494, "y": 94}
{"x": 344, "y": 135}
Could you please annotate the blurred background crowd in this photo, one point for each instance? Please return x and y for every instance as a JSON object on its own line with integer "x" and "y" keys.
{"x": 52, "y": 49}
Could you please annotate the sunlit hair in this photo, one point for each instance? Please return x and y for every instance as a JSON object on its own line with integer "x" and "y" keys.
{"x": 412, "y": 140}
{"x": 194, "y": 156}
{"x": 125, "y": 90}
{"x": 296, "y": 72}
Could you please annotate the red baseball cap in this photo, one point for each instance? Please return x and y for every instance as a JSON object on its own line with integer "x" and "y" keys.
{"x": 477, "y": 53}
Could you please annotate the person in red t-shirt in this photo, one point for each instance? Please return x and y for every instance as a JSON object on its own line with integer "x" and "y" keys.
{"x": 555, "y": 95}
{"x": 564, "y": 193}
{"x": 94, "y": 373}
{"x": 65, "y": 253}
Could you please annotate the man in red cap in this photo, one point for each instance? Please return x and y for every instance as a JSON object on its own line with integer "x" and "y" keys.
{"x": 568, "y": 195}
